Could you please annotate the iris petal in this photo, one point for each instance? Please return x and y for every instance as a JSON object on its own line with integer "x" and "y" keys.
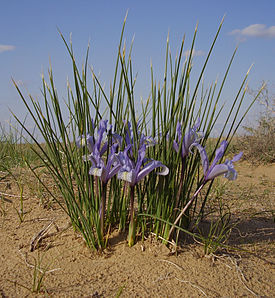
{"x": 219, "y": 154}
{"x": 150, "y": 167}
{"x": 95, "y": 171}
{"x": 204, "y": 158}
{"x": 141, "y": 155}
{"x": 237, "y": 157}
{"x": 216, "y": 171}
{"x": 127, "y": 176}
{"x": 175, "y": 146}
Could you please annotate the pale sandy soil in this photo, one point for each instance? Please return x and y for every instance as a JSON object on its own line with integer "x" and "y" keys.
{"x": 149, "y": 269}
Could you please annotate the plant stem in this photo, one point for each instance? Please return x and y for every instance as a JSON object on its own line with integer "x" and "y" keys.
{"x": 185, "y": 208}
{"x": 183, "y": 163}
{"x": 132, "y": 204}
{"x": 132, "y": 228}
{"x": 103, "y": 204}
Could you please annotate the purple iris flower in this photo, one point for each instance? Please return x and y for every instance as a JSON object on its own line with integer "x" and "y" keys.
{"x": 99, "y": 168}
{"x": 226, "y": 169}
{"x": 192, "y": 137}
{"x": 98, "y": 143}
{"x": 143, "y": 139}
{"x": 134, "y": 172}
{"x": 105, "y": 172}
{"x": 86, "y": 140}
{"x": 94, "y": 142}
{"x": 97, "y": 146}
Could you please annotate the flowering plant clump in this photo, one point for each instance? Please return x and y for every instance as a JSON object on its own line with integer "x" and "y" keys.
{"x": 132, "y": 171}
{"x": 140, "y": 170}
{"x": 122, "y": 164}
{"x": 211, "y": 172}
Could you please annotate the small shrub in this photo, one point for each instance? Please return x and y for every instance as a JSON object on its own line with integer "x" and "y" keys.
{"x": 258, "y": 143}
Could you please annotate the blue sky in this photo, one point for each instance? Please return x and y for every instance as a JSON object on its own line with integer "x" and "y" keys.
{"x": 29, "y": 38}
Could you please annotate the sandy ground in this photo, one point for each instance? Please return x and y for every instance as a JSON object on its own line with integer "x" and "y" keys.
{"x": 149, "y": 269}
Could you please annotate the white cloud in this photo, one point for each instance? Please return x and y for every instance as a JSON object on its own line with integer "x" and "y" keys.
{"x": 5, "y": 48}
{"x": 255, "y": 30}
{"x": 194, "y": 53}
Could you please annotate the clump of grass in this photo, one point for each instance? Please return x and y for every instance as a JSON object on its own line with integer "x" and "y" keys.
{"x": 20, "y": 211}
{"x": 14, "y": 148}
{"x": 214, "y": 237}
{"x": 38, "y": 275}
{"x": 40, "y": 268}
{"x": 82, "y": 165}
